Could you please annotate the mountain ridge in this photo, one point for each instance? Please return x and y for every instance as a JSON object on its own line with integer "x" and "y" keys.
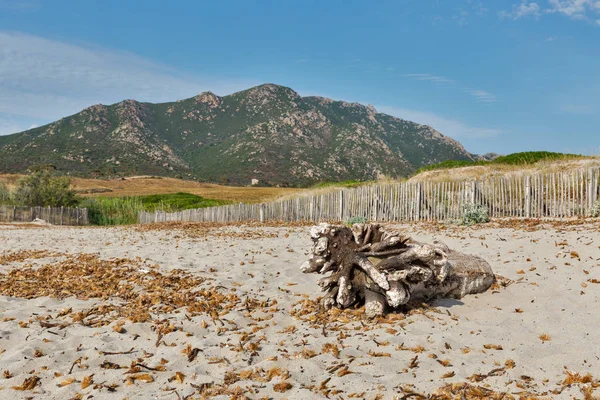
{"x": 269, "y": 133}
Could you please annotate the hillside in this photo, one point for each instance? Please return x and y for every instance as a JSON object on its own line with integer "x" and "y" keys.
{"x": 268, "y": 133}
{"x": 511, "y": 164}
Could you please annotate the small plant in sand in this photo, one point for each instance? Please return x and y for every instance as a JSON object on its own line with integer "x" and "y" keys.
{"x": 355, "y": 220}
{"x": 474, "y": 214}
{"x": 595, "y": 211}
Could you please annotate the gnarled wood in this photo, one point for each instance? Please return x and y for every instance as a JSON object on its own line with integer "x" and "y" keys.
{"x": 384, "y": 268}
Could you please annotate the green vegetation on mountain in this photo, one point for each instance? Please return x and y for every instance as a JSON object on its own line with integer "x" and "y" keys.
{"x": 267, "y": 133}
{"x": 523, "y": 158}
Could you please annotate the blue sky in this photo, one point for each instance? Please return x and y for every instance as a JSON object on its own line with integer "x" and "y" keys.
{"x": 499, "y": 76}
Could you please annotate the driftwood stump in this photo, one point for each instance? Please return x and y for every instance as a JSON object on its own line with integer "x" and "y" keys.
{"x": 383, "y": 268}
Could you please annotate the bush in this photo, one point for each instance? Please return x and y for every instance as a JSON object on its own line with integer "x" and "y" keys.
{"x": 356, "y": 220}
{"x": 41, "y": 189}
{"x": 5, "y": 195}
{"x": 474, "y": 214}
{"x": 595, "y": 213}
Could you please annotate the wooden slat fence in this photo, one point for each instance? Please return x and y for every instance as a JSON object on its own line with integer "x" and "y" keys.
{"x": 535, "y": 195}
{"x": 53, "y": 215}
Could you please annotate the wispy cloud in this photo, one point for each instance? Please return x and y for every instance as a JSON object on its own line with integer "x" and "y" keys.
{"x": 478, "y": 7}
{"x": 574, "y": 9}
{"x": 521, "y": 10}
{"x": 480, "y": 96}
{"x": 45, "y": 79}
{"x": 431, "y": 78}
{"x": 20, "y": 5}
{"x": 469, "y": 9}
{"x": 461, "y": 17}
{"x": 578, "y": 109}
{"x": 448, "y": 126}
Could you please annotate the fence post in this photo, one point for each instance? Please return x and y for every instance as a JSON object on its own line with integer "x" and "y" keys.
{"x": 261, "y": 212}
{"x": 14, "y": 213}
{"x": 594, "y": 186}
{"x": 591, "y": 189}
{"x": 527, "y": 196}
{"x": 341, "y": 205}
{"x": 418, "y": 205}
{"x": 375, "y": 204}
{"x": 470, "y": 192}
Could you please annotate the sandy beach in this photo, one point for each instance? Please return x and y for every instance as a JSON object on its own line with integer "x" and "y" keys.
{"x": 200, "y": 311}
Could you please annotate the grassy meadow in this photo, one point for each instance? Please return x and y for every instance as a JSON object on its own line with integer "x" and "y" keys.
{"x": 124, "y": 210}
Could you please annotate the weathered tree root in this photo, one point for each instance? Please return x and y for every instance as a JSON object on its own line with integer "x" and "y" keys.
{"x": 384, "y": 268}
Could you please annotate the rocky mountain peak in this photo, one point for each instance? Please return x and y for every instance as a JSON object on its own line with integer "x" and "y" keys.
{"x": 268, "y": 133}
{"x": 270, "y": 91}
{"x": 209, "y": 98}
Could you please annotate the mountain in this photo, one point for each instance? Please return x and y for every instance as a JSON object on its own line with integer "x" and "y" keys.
{"x": 268, "y": 133}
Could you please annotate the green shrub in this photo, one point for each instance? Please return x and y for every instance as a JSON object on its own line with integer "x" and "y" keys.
{"x": 595, "y": 212}
{"x": 356, "y": 220}
{"x": 42, "y": 189}
{"x": 5, "y": 195}
{"x": 474, "y": 214}
{"x": 532, "y": 157}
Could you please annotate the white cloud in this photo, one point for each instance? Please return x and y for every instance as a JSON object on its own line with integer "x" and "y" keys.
{"x": 447, "y": 126}
{"x": 522, "y": 10}
{"x": 576, "y": 9}
{"x": 431, "y": 78}
{"x": 48, "y": 79}
{"x": 482, "y": 96}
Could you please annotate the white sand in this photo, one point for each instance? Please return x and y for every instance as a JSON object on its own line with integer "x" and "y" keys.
{"x": 556, "y": 296}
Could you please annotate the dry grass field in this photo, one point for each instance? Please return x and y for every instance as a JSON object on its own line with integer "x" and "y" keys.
{"x": 140, "y": 186}
{"x": 491, "y": 170}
